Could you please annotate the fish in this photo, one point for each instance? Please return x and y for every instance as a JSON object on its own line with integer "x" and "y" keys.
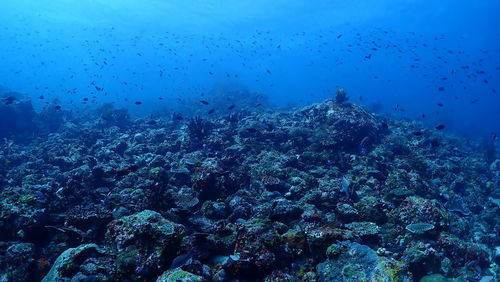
{"x": 417, "y": 133}
{"x": 231, "y": 107}
{"x": 177, "y": 116}
{"x": 204, "y": 102}
{"x": 441, "y": 89}
{"x": 339, "y": 36}
{"x": 182, "y": 259}
{"x": 345, "y": 183}
{"x": 58, "y": 107}
{"x": 440, "y": 127}
{"x": 474, "y": 101}
{"x": 41, "y": 97}
{"x": 440, "y": 104}
{"x": 138, "y": 102}
{"x": 211, "y": 111}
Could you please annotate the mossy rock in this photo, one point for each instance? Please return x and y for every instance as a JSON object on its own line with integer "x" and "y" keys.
{"x": 439, "y": 278}
{"x": 179, "y": 275}
{"x": 68, "y": 263}
{"x": 360, "y": 263}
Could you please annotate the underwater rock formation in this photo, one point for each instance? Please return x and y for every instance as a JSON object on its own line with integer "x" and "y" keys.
{"x": 329, "y": 192}
{"x": 16, "y": 115}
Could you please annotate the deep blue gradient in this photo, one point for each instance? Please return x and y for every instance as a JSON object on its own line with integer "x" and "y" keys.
{"x": 392, "y": 55}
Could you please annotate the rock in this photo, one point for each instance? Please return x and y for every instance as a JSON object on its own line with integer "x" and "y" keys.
{"x": 371, "y": 209}
{"x": 346, "y": 212}
{"x": 463, "y": 254}
{"x": 179, "y": 275}
{"x": 20, "y": 213}
{"x": 438, "y": 278}
{"x": 143, "y": 242}
{"x": 321, "y": 237}
{"x": 279, "y": 276}
{"x": 495, "y": 166}
{"x": 496, "y": 254}
{"x": 360, "y": 263}
{"x": 367, "y": 231}
{"x": 285, "y": 211}
{"x": 348, "y": 125}
{"x": 422, "y": 258}
{"x": 19, "y": 260}
{"x": 186, "y": 198}
{"x": 215, "y": 210}
{"x": 335, "y": 250}
{"x": 417, "y": 210}
{"x": 67, "y": 265}
{"x": 253, "y": 256}
{"x": 16, "y": 118}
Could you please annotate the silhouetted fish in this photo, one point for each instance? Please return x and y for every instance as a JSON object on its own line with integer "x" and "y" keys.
{"x": 204, "y": 102}
{"x": 182, "y": 259}
{"x": 417, "y": 133}
{"x": 440, "y": 127}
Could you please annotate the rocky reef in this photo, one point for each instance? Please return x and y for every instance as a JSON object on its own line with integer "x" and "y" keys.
{"x": 329, "y": 192}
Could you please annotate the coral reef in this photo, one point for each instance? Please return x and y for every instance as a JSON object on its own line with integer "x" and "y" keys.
{"x": 328, "y": 192}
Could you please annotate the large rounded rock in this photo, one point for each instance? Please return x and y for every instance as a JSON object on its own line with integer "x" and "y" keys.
{"x": 342, "y": 126}
{"x": 67, "y": 265}
{"x": 357, "y": 262}
{"x": 179, "y": 275}
{"x": 144, "y": 243}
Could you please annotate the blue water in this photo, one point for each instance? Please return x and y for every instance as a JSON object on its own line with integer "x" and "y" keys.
{"x": 393, "y": 56}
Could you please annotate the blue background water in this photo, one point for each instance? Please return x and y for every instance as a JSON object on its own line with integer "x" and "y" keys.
{"x": 388, "y": 54}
